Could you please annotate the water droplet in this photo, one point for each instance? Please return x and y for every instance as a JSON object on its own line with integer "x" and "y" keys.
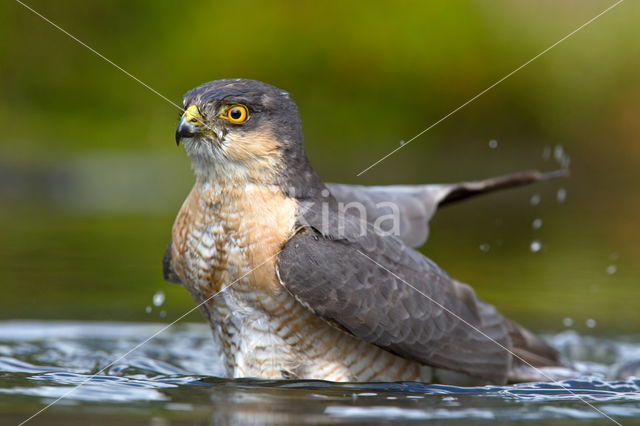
{"x": 537, "y": 223}
{"x": 485, "y": 247}
{"x": 535, "y": 246}
{"x": 493, "y": 144}
{"x": 567, "y": 322}
{"x": 591, "y": 323}
{"x": 612, "y": 269}
{"x": 558, "y": 153}
{"x": 546, "y": 153}
{"x": 535, "y": 199}
{"x": 561, "y": 156}
{"x": 148, "y": 309}
{"x": 403, "y": 142}
{"x": 561, "y": 195}
{"x": 158, "y": 298}
{"x": 163, "y": 313}
{"x": 324, "y": 193}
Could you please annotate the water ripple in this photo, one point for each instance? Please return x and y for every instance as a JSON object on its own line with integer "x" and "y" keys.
{"x": 181, "y": 371}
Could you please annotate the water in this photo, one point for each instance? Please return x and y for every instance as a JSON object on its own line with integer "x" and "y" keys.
{"x": 174, "y": 379}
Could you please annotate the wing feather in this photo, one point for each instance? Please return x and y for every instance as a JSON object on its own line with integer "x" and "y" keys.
{"x": 416, "y": 204}
{"x": 398, "y": 300}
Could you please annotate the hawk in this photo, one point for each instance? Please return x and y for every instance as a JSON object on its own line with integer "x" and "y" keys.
{"x": 294, "y": 285}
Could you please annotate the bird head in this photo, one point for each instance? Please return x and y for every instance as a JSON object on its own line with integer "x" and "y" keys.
{"x": 242, "y": 131}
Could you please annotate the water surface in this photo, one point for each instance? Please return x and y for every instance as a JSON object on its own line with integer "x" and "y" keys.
{"x": 175, "y": 379}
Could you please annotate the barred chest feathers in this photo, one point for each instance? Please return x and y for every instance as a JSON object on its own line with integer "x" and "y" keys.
{"x": 229, "y": 237}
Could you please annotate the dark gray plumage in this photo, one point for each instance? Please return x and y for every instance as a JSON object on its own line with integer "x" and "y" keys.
{"x": 338, "y": 281}
{"x": 386, "y": 293}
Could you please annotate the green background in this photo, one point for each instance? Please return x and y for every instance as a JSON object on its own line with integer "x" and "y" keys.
{"x": 90, "y": 178}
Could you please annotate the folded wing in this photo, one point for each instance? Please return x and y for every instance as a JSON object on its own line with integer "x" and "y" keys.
{"x": 393, "y": 297}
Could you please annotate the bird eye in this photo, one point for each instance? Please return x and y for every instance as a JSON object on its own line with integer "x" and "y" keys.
{"x": 236, "y": 114}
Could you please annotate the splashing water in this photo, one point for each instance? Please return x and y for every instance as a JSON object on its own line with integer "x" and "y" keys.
{"x": 158, "y": 298}
{"x": 561, "y": 195}
{"x": 535, "y": 246}
{"x": 558, "y": 153}
{"x": 561, "y": 157}
{"x": 176, "y": 376}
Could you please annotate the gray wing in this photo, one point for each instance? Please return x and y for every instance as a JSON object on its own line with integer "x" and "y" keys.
{"x": 389, "y": 295}
{"x": 414, "y": 205}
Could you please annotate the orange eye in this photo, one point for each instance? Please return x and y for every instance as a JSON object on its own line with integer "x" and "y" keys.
{"x": 236, "y": 114}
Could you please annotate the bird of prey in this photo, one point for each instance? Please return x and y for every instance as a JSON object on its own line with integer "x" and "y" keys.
{"x": 294, "y": 285}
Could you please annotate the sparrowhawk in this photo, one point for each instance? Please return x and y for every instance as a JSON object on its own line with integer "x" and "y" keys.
{"x": 294, "y": 285}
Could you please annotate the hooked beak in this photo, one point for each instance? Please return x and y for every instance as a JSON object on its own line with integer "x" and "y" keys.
{"x": 185, "y": 129}
{"x": 190, "y": 124}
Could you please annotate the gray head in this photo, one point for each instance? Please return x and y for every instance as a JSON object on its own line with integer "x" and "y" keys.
{"x": 241, "y": 131}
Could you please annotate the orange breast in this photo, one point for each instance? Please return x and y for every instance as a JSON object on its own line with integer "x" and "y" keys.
{"x": 223, "y": 233}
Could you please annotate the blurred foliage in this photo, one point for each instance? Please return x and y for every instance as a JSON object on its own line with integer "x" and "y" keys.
{"x": 90, "y": 177}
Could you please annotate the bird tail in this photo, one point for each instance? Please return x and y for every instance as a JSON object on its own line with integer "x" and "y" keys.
{"x": 465, "y": 190}
{"x": 531, "y": 350}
